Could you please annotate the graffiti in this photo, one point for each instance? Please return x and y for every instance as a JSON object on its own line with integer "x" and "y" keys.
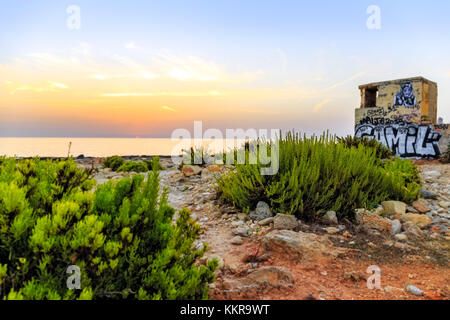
{"x": 441, "y": 126}
{"x": 405, "y": 97}
{"x": 407, "y": 140}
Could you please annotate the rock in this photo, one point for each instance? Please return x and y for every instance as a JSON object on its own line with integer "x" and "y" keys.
{"x": 301, "y": 244}
{"x": 330, "y": 218}
{"x": 444, "y": 204}
{"x": 396, "y": 227}
{"x": 419, "y": 220}
{"x": 412, "y": 231}
{"x": 206, "y": 175}
{"x": 433, "y": 174}
{"x": 411, "y": 209}
{"x": 414, "y": 290}
{"x": 272, "y": 274}
{"x": 219, "y": 259}
{"x": 355, "y": 276}
{"x": 371, "y": 221}
{"x": 379, "y": 210}
{"x": 285, "y": 222}
{"x": 393, "y": 207}
{"x": 214, "y": 168}
{"x": 401, "y": 237}
{"x": 80, "y": 157}
{"x": 237, "y": 240}
{"x": 421, "y": 206}
{"x": 242, "y": 216}
{"x": 332, "y": 230}
{"x": 241, "y": 231}
{"x": 428, "y": 194}
{"x": 261, "y": 212}
{"x": 189, "y": 170}
{"x": 237, "y": 223}
{"x": 393, "y": 290}
{"x": 266, "y": 222}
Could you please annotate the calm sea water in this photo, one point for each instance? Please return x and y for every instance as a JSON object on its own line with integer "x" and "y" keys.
{"x": 103, "y": 147}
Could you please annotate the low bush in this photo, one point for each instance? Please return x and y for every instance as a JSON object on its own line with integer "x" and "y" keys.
{"x": 133, "y": 166}
{"x": 381, "y": 151}
{"x": 118, "y": 164}
{"x": 121, "y": 237}
{"x": 319, "y": 174}
{"x": 113, "y": 162}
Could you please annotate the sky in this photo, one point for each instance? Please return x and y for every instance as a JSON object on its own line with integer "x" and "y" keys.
{"x": 145, "y": 68}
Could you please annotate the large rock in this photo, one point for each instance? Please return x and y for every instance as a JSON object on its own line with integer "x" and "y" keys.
{"x": 261, "y": 212}
{"x": 300, "y": 244}
{"x": 189, "y": 170}
{"x": 421, "y": 206}
{"x": 285, "y": 222}
{"x": 330, "y": 218}
{"x": 372, "y": 221}
{"x": 419, "y": 220}
{"x": 393, "y": 207}
{"x": 272, "y": 274}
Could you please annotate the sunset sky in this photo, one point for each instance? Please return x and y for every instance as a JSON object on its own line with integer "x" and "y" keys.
{"x": 145, "y": 68}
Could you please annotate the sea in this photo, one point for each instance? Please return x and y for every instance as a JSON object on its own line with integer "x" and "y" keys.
{"x": 104, "y": 147}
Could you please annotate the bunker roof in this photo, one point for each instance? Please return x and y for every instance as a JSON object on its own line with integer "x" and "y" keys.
{"x": 398, "y": 81}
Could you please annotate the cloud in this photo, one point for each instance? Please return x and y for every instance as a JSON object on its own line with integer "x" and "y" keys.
{"x": 283, "y": 59}
{"x": 131, "y": 45}
{"x": 162, "y": 93}
{"x": 49, "y": 87}
{"x": 339, "y": 84}
{"x": 319, "y": 106}
{"x": 168, "y": 109}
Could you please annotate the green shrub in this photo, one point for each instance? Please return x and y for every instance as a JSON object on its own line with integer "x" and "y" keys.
{"x": 121, "y": 237}
{"x": 153, "y": 163}
{"x": 381, "y": 151}
{"x": 132, "y": 166}
{"x": 113, "y": 162}
{"x": 318, "y": 174}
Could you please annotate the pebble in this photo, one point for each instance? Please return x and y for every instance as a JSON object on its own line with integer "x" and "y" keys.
{"x": 414, "y": 290}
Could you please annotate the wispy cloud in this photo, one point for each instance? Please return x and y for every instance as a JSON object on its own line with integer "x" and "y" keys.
{"x": 320, "y": 105}
{"x": 167, "y": 108}
{"x": 341, "y": 83}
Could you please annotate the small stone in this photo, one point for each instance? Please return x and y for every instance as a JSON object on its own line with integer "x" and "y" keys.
{"x": 444, "y": 204}
{"x": 372, "y": 221}
{"x": 393, "y": 207}
{"x": 266, "y": 222}
{"x": 189, "y": 170}
{"x": 413, "y": 231}
{"x": 414, "y": 290}
{"x": 419, "y": 220}
{"x": 261, "y": 212}
{"x": 332, "y": 230}
{"x": 396, "y": 227}
{"x": 242, "y": 216}
{"x": 428, "y": 194}
{"x": 401, "y": 237}
{"x": 233, "y": 268}
{"x": 324, "y": 273}
{"x": 241, "y": 231}
{"x": 285, "y": 222}
{"x": 237, "y": 223}
{"x": 330, "y": 218}
{"x": 237, "y": 240}
{"x": 421, "y": 206}
{"x": 347, "y": 234}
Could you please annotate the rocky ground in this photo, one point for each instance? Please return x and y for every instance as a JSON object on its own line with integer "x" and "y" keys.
{"x": 264, "y": 255}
